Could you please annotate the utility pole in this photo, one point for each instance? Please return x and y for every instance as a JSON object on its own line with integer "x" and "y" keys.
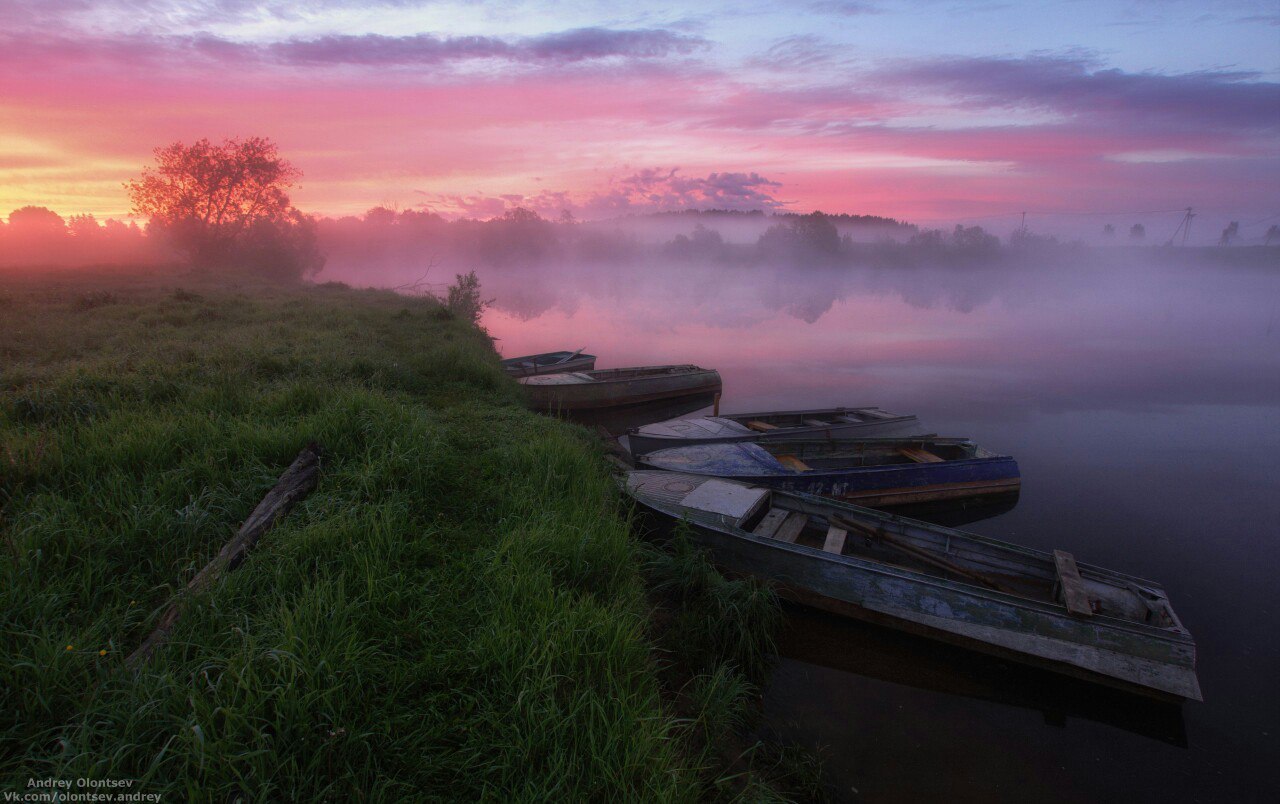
{"x": 1184, "y": 226}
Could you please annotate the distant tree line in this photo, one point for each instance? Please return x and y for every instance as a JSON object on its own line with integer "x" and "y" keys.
{"x": 40, "y": 236}
{"x": 225, "y": 208}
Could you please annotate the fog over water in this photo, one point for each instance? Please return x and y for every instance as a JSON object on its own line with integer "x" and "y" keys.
{"x": 1139, "y": 389}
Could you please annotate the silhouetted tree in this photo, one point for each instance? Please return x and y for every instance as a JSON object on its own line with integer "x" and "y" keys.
{"x": 226, "y": 206}
{"x": 1137, "y": 231}
{"x": 801, "y": 237}
{"x": 1229, "y": 233}
{"x": 464, "y": 299}
{"x": 83, "y": 227}
{"x": 703, "y": 243}
{"x": 974, "y": 240}
{"x": 36, "y": 221}
{"x": 1108, "y": 231}
{"x": 1272, "y": 234}
{"x": 519, "y": 236}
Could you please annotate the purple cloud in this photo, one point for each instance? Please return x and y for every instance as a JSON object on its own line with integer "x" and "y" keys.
{"x": 375, "y": 49}
{"x": 1207, "y": 99}
{"x": 844, "y": 8}
{"x": 598, "y": 43}
{"x": 564, "y": 47}
{"x": 648, "y": 190}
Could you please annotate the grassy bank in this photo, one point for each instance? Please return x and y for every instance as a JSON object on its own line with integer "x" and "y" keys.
{"x": 455, "y": 612}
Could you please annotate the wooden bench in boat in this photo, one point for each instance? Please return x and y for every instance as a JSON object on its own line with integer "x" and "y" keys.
{"x": 770, "y": 523}
{"x": 791, "y": 527}
{"x": 835, "y": 540}
{"x": 1073, "y": 592}
{"x": 760, "y": 427}
{"x": 920, "y": 455}
{"x": 792, "y": 462}
{"x": 781, "y": 524}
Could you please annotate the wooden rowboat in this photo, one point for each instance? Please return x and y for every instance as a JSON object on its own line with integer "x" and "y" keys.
{"x": 775, "y": 425}
{"x": 608, "y": 388}
{"x": 548, "y": 363}
{"x": 876, "y": 472}
{"x": 1026, "y": 605}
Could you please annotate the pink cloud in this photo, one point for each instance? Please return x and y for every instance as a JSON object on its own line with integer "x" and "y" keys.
{"x": 583, "y": 116}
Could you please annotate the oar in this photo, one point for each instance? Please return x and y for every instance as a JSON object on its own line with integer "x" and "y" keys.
{"x": 917, "y": 552}
{"x": 570, "y": 357}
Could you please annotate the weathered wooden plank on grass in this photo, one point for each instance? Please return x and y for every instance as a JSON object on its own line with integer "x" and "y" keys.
{"x": 296, "y": 482}
{"x": 1073, "y": 592}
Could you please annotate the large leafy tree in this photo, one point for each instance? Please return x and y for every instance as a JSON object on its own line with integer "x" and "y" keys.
{"x": 226, "y": 205}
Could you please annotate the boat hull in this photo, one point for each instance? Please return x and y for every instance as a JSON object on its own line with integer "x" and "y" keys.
{"x": 626, "y": 390}
{"x": 1135, "y": 659}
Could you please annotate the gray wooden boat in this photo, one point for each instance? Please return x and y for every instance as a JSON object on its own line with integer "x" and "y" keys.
{"x": 608, "y": 388}
{"x": 1026, "y": 605}
{"x": 843, "y": 422}
{"x": 548, "y": 363}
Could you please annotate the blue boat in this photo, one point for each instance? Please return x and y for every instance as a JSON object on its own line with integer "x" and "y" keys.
{"x": 874, "y": 472}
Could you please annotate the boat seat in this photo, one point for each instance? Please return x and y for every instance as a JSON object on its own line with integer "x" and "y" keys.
{"x": 792, "y": 462}
{"x": 920, "y": 455}
{"x": 816, "y": 423}
{"x": 791, "y": 527}
{"x": 729, "y": 499}
{"x": 761, "y": 427}
{"x": 835, "y": 540}
{"x": 770, "y": 522}
{"x": 1073, "y": 591}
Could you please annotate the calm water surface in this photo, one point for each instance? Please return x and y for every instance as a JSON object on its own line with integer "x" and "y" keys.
{"x": 1141, "y": 397}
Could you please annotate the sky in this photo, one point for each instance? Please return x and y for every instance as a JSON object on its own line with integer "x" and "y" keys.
{"x": 933, "y": 112}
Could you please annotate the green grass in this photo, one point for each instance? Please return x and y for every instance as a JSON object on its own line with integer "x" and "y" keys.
{"x": 455, "y": 613}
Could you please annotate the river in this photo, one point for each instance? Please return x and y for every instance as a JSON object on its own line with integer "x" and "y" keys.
{"x": 1139, "y": 392}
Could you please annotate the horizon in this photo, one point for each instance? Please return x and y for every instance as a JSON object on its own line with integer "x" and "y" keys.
{"x": 470, "y": 111}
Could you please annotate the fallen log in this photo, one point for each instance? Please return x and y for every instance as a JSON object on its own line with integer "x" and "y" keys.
{"x": 296, "y": 482}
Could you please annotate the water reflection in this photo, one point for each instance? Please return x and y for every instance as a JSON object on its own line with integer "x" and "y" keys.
{"x": 1102, "y": 334}
{"x": 871, "y": 651}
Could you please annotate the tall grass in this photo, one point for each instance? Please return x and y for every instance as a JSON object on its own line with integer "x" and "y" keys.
{"x": 454, "y": 613}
